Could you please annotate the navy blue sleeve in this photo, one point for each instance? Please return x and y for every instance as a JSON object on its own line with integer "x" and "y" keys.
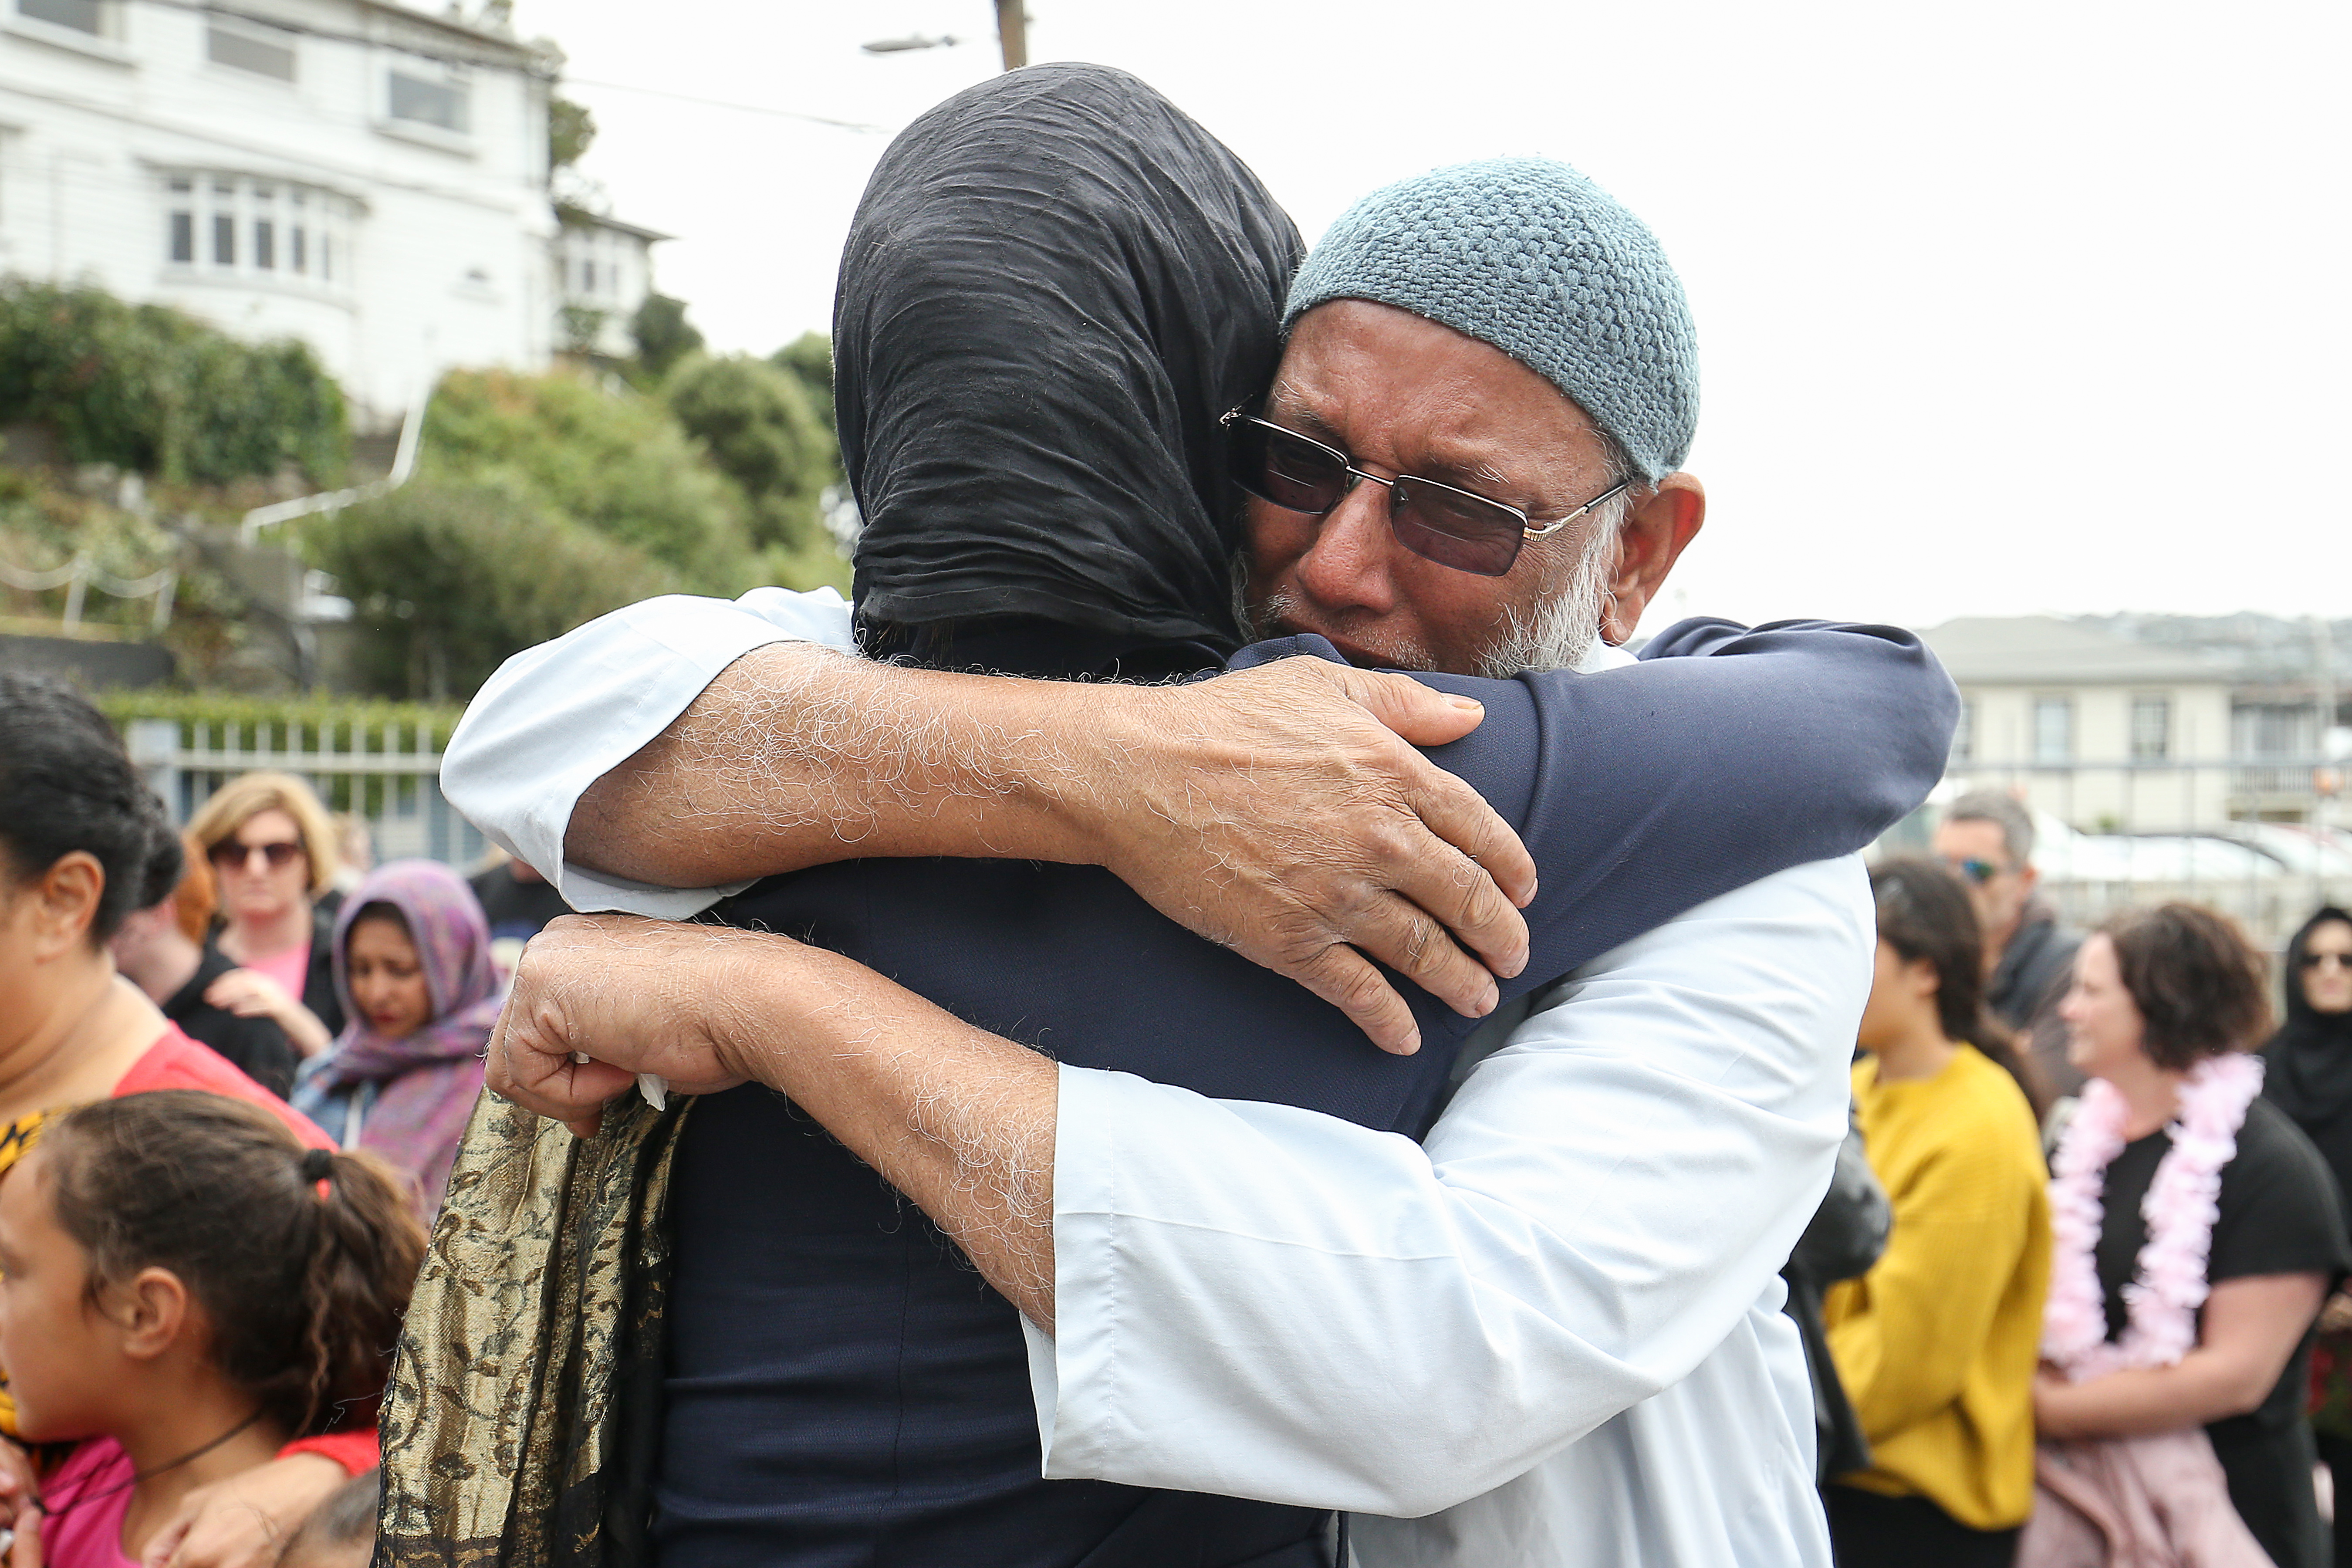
{"x": 1722, "y": 755}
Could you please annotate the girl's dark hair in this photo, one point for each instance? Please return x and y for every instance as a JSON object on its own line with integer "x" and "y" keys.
{"x": 304, "y": 1293}
{"x": 66, "y": 784}
{"x": 1924, "y": 913}
{"x": 2196, "y": 979}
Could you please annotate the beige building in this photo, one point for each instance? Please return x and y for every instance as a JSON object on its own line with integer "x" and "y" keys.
{"x": 2106, "y": 732}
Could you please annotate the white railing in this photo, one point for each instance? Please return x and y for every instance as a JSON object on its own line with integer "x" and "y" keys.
{"x": 83, "y": 572}
{"x": 386, "y": 774}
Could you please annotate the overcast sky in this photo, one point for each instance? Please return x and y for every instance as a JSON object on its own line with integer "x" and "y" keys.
{"x": 2006, "y": 308}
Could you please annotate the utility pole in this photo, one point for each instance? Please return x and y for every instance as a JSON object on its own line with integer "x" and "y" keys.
{"x": 1012, "y": 32}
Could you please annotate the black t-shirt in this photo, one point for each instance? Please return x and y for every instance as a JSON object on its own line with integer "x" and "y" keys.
{"x": 2278, "y": 1215}
{"x": 256, "y": 1044}
{"x": 516, "y": 909}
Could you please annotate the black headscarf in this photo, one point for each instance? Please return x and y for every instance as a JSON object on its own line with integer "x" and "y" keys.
{"x": 1054, "y": 286}
{"x": 2310, "y": 1061}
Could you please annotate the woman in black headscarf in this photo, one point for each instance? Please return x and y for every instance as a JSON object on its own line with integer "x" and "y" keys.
{"x": 2309, "y": 1077}
{"x": 1096, "y": 530}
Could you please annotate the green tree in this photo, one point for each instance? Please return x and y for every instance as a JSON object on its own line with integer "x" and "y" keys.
{"x": 808, "y": 359}
{"x": 756, "y": 422}
{"x": 612, "y": 461}
{"x": 663, "y": 336}
{"x": 147, "y": 388}
{"x": 571, "y": 128}
{"x": 448, "y": 580}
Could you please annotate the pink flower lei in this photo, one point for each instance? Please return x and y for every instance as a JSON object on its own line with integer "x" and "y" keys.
{"x": 2180, "y": 1208}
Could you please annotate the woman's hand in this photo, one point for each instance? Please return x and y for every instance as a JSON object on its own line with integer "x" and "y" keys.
{"x": 250, "y": 993}
{"x": 243, "y": 1521}
{"x": 2336, "y": 1315}
{"x": 20, "y": 1490}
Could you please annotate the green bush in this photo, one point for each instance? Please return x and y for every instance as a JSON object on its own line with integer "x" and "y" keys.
{"x": 612, "y": 461}
{"x": 287, "y": 723}
{"x": 662, "y": 335}
{"x": 808, "y": 359}
{"x": 447, "y": 579}
{"x": 758, "y": 426}
{"x": 150, "y": 389}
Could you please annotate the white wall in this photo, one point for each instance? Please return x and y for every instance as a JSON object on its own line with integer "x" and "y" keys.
{"x": 445, "y": 262}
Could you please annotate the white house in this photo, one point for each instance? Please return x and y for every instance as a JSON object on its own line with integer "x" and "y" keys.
{"x": 604, "y": 270}
{"x": 365, "y": 177}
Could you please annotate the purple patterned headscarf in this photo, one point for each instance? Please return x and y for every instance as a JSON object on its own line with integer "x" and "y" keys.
{"x": 430, "y": 1079}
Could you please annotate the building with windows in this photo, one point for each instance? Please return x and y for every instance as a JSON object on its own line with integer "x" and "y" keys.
{"x": 604, "y": 270}
{"x": 2142, "y": 725}
{"x": 365, "y": 177}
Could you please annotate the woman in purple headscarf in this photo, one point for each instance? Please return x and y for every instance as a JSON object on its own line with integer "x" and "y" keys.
{"x": 411, "y": 956}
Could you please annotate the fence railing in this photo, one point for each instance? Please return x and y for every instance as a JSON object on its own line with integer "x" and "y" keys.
{"x": 387, "y": 774}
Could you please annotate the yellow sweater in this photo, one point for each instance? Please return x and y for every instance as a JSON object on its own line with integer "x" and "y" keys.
{"x": 1937, "y": 1345}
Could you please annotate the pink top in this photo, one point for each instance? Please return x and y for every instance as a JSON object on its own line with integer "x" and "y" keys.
{"x": 291, "y": 969}
{"x": 87, "y": 1534}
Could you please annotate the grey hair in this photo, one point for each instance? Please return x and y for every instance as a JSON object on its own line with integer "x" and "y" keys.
{"x": 2001, "y": 808}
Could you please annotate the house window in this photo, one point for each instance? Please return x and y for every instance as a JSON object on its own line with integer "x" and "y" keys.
{"x": 1964, "y": 732}
{"x": 2151, "y": 729}
{"x": 246, "y": 47}
{"x": 82, "y": 16}
{"x": 181, "y": 219}
{"x": 255, "y": 227}
{"x": 2053, "y": 730}
{"x": 588, "y": 277}
{"x": 439, "y": 101}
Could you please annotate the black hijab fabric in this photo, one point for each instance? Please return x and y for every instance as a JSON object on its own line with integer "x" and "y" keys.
{"x": 1054, "y": 286}
{"x": 2310, "y": 1061}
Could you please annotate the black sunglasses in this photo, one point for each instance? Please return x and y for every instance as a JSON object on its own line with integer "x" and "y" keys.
{"x": 1436, "y": 521}
{"x": 228, "y": 853}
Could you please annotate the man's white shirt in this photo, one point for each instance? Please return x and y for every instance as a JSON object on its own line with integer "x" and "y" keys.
{"x": 1550, "y": 1334}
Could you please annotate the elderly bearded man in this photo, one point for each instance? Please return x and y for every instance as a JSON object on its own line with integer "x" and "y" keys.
{"x": 1601, "y": 1212}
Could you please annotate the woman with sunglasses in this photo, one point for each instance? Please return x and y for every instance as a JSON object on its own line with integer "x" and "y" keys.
{"x": 272, "y": 848}
{"x": 2310, "y": 1078}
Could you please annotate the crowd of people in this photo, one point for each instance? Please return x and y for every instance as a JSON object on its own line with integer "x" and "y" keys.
{"x": 1505, "y": 1291}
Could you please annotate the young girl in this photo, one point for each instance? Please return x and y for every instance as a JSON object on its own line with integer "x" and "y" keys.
{"x": 413, "y": 966}
{"x": 183, "y": 1288}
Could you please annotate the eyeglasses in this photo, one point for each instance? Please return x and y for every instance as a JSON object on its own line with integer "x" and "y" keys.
{"x": 2315, "y": 960}
{"x": 1436, "y": 521}
{"x": 1977, "y": 872}
{"x": 229, "y": 855}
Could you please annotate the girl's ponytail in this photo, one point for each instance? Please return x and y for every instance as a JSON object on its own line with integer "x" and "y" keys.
{"x": 302, "y": 1259}
{"x": 363, "y": 1264}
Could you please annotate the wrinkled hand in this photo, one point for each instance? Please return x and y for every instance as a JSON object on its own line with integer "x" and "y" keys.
{"x": 243, "y": 1521}
{"x": 1282, "y": 811}
{"x": 634, "y": 995}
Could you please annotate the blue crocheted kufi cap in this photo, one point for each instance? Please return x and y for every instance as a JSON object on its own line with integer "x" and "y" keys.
{"x": 1532, "y": 257}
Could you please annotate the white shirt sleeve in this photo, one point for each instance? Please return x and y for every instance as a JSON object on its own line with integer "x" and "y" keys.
{"x": 1267, "y": 1302}
{"x": 558, "y": 717}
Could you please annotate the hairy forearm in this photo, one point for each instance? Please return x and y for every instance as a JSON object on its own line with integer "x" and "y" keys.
{"x": 798, "y": 755}
{"x": 960, "y": 1121}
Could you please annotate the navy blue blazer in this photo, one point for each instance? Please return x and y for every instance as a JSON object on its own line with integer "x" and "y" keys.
{"x": 842, "y": 1388}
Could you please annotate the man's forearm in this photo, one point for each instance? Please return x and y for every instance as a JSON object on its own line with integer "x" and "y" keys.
{"x": 960, "y": 1121}
{"x": 798, "y": 755}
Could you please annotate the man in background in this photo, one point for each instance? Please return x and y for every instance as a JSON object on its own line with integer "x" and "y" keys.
{"x": 1986, "y": 836}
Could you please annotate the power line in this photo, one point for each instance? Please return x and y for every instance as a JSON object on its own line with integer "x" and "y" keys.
{"x": 721, "y": 103}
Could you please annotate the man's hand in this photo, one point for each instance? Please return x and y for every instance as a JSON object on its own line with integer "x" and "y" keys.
{"x": 636, "y": 995}
{"x": 1282, "y": 811}
{"x": 243, "y": 1521}
{"x": 1279, "y": 810}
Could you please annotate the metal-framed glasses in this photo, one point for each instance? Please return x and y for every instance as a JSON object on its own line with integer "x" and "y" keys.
{"x": 1436, "y": 521}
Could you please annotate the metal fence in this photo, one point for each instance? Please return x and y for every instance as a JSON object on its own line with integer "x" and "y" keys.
{"x": 387, "y": 775}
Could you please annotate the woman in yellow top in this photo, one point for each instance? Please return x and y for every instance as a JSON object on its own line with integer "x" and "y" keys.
{"x": 1936, "y": 1344}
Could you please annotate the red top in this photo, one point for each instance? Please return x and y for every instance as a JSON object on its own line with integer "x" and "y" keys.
{"x": 176, "y": 1061}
